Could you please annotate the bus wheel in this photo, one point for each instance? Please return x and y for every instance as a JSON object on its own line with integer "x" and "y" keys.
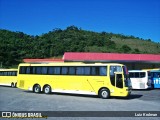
{"x": 104, "y": 93}
{"x": 37, "y": 89}
{"x": 12, "y": 85}
{"x": 47, "y": 89}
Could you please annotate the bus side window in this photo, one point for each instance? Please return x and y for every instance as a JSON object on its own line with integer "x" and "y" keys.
{"x": 15, "y": 73}
{"x": 22, "y": 70}
{"x": 64, "y": 71}
{"x": 28, "y": 70}
{"x": 131, "y": 75}
{"x": 79, "y": 70}
{"x": 2, "y": 74}
{"x": 103, "y": 71}
{"x": 57, "y": 70}
{"x": 38, "y": 70}
{"x": 142, "y": 74}
{"x": 8, "y": 73}
{"x": 5, "y": 73}
{"x": 95, "y": 71}
{"x": 87, "y": 70}
{"x": 72, "y": 70}
{"x": 136, "y": 74}
{"x": 51, "y": 70}
{"x": 44, "y": 70}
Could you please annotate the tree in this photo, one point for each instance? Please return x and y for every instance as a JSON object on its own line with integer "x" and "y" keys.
{"x": 125, "y": 49}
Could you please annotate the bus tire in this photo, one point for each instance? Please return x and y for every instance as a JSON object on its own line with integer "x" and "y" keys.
{"x": 37, "y": 89}
{"x": 47, "y": 89}
{"x": 104, "y": 93}
{"x": 12, "y": 85}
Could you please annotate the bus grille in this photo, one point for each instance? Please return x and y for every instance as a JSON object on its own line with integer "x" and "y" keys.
{"x": 21, "y": 84}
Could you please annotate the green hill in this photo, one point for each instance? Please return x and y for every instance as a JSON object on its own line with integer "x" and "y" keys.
{"x": 15, "y": 46}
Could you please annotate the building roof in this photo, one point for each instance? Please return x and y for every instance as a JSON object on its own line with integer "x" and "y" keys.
{"x": 101, "y": 57}
{"x": 107, "y": 57}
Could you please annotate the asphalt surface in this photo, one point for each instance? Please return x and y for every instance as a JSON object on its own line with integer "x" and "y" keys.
{"x": 14, "y": 99}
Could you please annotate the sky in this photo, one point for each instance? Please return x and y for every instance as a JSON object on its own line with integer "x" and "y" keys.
{"x": 140, "y": 18}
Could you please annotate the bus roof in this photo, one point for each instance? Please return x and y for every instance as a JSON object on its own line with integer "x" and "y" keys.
{"x": 155, "y": 71}
{"x": 67, "y": 64}
{"x": 8, "y": 69}
{"x": 138, "y": 70}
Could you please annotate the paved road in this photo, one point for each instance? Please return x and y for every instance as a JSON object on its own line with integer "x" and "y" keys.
{"x": 14, "y": 99}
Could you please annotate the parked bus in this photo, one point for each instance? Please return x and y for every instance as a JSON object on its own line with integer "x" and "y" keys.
{"x": 100, "y": 79}
{"x": 8, "y": 77}
{"x": 155, "y": 77}
{"x": 140, "y": 79}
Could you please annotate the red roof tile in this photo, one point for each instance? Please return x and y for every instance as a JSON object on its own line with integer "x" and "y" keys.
{"x": 86, "y": 56}
{"x": 110, "y": 57}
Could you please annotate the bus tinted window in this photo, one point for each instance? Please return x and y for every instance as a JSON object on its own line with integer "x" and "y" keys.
{"x": 44, "y": 70}
{"x": 80, "y": 70}
{"x": 142, "y": 74}
{"x": 64, "y": 71}
{"x": 83, "y": 70}
{"x": 72, "y": 70}
{"x": 131, "y": 75}
{"x": 155, "y": 74}
{"x": 103, "y": 71}
{"x": 54, "y": 70}
{"x": 57, "y": 70}
{"x": 87, "y": 70}
{"x": 5, "y": 73}
{"x": 22, "y": 70}
{"x": 136, "y": 74}
{"x": 8, "y": 73}
{"x": 28, "y": 69}
{"x": 14, "y": 73}
{"x": 38, "y": 70}
{"x": 51, "y": 70}
{"x": 94, "y": 70}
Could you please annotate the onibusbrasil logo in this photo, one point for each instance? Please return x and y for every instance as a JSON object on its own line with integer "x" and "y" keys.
{"x": 22, "y": 115}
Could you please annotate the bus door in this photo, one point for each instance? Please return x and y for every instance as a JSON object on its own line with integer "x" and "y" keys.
{"x": 116, "y": 78}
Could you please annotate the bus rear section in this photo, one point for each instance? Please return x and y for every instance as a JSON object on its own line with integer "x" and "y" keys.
{"x": 155, "y": 78}
{"x": 8, "y": 77}
{"x": 100, "y": 79}
{"x": 140, "y": 79}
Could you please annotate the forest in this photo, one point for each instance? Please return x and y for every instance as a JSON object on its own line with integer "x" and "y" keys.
{"x": 15, "y": 46}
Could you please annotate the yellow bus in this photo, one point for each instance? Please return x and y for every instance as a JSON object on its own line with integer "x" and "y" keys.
{"x": 100, "y": 79}
{"x": 8, "y": 77}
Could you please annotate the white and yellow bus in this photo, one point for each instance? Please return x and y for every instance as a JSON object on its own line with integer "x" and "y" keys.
{"x": 8, "y": 77}
{"x": 100, "y": 79}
